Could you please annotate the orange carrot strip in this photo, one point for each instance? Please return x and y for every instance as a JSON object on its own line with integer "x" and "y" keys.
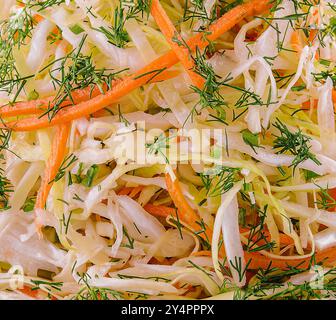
{"x": 308, "y": 104}
{"x": 136, "y": 191}
{"x": 42, "y": 105}
{"x": 202, "y": 253}
{"x": 176, "y": 42}
{"x": 102, "y": 113}
{"x": 332, "y": 193}
{"x": 160, "y": 211}
{"x": 144, "y": 75}
{"x": 119, "y": 90}
{"x": 125, "y": 191}
{"x": 29, "y": 292}
{"x": 130, "y": 191}
{"x": 296, "y": 42}
{"x": 166, "y": 75}
{"x": 36, "y": 17}
{"x": 187, "y": 214}
{"x": 36, "y": 293}
{"x": 55, "y": 160}
{"x": 312, "y": 35}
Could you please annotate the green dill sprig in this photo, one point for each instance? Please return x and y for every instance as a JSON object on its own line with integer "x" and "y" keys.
{"x": 5, "y": 185}
{"x": 325, "y": 201}
{"x": 325, "y": 74}
{"x": 66, "y": 221}
{"x": 5, "y": 188}
{"x": 225, "y": 6}
{"x": 14, "y": 33}
{"x": 282, "y": 80}
{"x": 43, "y": 5}
{"x": 47, "y": 285}
{"x": 178, "y": 223}
{"x": 159, "y": 146}
{"x": 77, "y": 71}
{"x": 89, "y": 292}
{"x": 116, "y": 34}
{"x": 248, "y": 97}
{"x": 195, "y": 10}
{"x": 237, "y": 265}
{"x": 130, "y": 240}
{"x": 329, "y": 30}
{"x": 206, "y": 242}
{"x": 137, "y": 8}
{"x": 154, "y": 74}
{"x": 257, "y": 240}
{"x": 157, "y": 279}
{"x": 272, "y": 284}
{"x": 210, "y": 95}
{"x": 295, "y": 143}
{"x": 66, "y": 164}
{"x": 219, "y": 180}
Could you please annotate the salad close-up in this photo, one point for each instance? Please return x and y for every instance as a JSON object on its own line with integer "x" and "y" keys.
{"x": 167, "y": 150}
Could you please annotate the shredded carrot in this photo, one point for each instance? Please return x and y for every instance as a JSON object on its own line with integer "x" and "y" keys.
{"x": 144, "y": 75}
{"x": 308, "y": 104}
{"x": 296, "y": 42}
{"x": 176, "y": 42}
{"x": 160, "y": 211}
{"x": 125, "y": 191}
{"x": 312, "y": 35}
{"x": 136, "y": 191}
{"x": 29, "y": 292}
{"x": 41, "y": 105}
{"x": 332, "y": 193}
{"x": 99, "y": 102}
{"x": 130, "y": 191}
{"x": 166, "y": 75}
{"x": 186, "y": 213}
{"x": 202, "y": 253}
{"x": 55, "y": 160}
{"x": 37, "y": 18}
{"x": 34, "y": 293}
